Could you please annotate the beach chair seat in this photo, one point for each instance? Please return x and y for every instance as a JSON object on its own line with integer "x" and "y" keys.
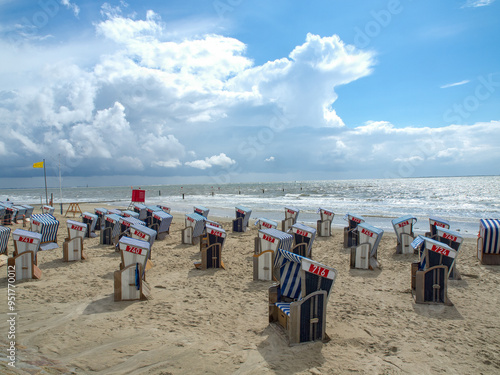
{"x": 351, "y": 231}
{"x": 324, "y": 225}
{"x": 488, "y": 242}
{"x": 429, "y": 276}
{"x": 240, "y": 224}
{"x": 130, "y": 280}
{"x": 364, "y": 254}
{"x": 403, "y": 226}
{"x": 161, "y": 221}
{"x": 195, "y": 225}
{"x": 298, "y": 303}
{"x": 263, "y": 223}
{"x": 267, "y": 242}
{"x": 303, "y": 238}
{"x": 211, "y": 248}
{"x": 291, "y": 216}
{"x": 4, "y": 239}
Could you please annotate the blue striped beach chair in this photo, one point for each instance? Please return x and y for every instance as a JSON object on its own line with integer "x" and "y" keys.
{"x": 201, "y": 210}
{"x": 130, "y": 280}
{"x": 324, "y": 225}
{"x": 4, "y": 239}
{"x": 211, "y": 247}
{"x": 161, "y": 223}
{"x": 25, "y": 260}
{"x": 488, "y": 242}
{"x": 454, "y": 240}
{"x": 263, "y": 223}
{"x": 291, "y": 216}
{"x": 91, "y": 220}
{"x": 100, "y": 212}
{"x": 351, "y": 231}
{"x": 47, "y": 225}
{"x": 434, "y": 223}
{"x": 298, "y": 303}
{"x": 240, "y": 224}
{"x": 303, "y": 238}
{"x": 110, "y": 229}
{"x": 429, "y": 276}
{"x": 364, "y": 255}
{"x": 2, "y": 214}
{"x": 267, "y": 243}
{"x": 403, "y": 226}
{"x": 195, "y": 225}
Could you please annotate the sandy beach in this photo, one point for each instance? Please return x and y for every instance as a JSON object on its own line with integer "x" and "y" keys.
{"x": 216, "y": 321}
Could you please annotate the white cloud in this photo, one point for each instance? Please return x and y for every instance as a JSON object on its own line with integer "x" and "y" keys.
{"x": 72, "y": 6}
{"x": 455, "y": 84}
{"x": 221, "y": 160}
{"x": 269, "y": 159}
{"x": 477, "y": 3}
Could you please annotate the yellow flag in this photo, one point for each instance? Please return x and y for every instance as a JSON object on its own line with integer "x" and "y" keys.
{"x": 38, "y": 165}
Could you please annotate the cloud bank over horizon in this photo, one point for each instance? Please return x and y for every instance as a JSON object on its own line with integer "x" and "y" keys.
{"x": 155, "y": 105}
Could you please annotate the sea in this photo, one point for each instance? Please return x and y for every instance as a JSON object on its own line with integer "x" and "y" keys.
{"x": 463, "y": 201}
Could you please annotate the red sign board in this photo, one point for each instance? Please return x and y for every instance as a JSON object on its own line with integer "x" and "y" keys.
{"x": 268, "y": 238}
{"x": 318, "y": 270}
{"x": 440, "y": 250}
{"x": 450, "y": 237}
{"x": 26, "y": 239}
{"x": 367, "y": 232}
{"x": 403, "y": 224}
{"x": 138, "y": 195}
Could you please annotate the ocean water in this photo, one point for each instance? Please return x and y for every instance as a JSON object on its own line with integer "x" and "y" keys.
{"x": 461, "y": 200}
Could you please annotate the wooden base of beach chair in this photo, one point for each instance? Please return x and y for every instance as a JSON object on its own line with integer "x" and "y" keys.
{"x": 263, "y": 265}
{"x": 128, "y": 286}
{"x": 324, "y": 228}
{"x": 73, "y": 249}
{"x": 211, "y": 257}
{"x": 404, "y": 246}
{"x": 430, "y": 286}
{"x": 360, "y": 257}
{"x": 187, "y": 236}
{"x": 489, "y": 259}
{"x": 24, "y": 265}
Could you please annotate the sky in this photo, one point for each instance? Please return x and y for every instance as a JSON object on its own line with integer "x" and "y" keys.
{"x": 229, "y": 91}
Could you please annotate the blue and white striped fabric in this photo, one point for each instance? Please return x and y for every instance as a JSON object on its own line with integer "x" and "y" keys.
{"x": 198, "y": 223}
{"x": 289, "y": 265}
{"x": 286, "y": 239}
{"x": 417, "y": 242}
{"x": 100, "y": 212}
{"x": 489, "y": 230}
{"x": 4, "y": 238}
{"x": 48, "y": 226}
{"x": 283, "y": 306}
{"x": 243, "y": 212}
{"x": 141, "y": 210}
{"x": 21, "y": 211}
{"x": 115, "y": 211}
{"x": 163, "y": 219}
{"x": 291, "y": 212}
{"x": 112, "y": 221}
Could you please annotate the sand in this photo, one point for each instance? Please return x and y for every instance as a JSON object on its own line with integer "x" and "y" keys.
{"x": 216, "y": 321}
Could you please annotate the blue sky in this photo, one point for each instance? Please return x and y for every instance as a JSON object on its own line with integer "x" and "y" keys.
{"x": 237, "y": 90}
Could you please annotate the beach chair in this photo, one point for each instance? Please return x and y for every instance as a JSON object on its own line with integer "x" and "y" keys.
{"x": 263, "y": 223}
{"x": 125, "y": 223}
{"x": 429, "y": 276}
{"x": 267, "y": 243}
{"x": 211, "y": 248}
{"x": 47, "y": 225}
{"x": 240, "y": 224}
{"x": 141, "y": 209}
{"x": 303, "y": 238}
{"x": 454, "y": 240}
{"x": 24, "y": 259}
{"x": 161, "y": 224}
{"x": 29, "y": 210}
{"x": 141, "y": 232}
{"x": 201, "y": 210}
{"x": 10, "y": 214}
{"x": 488, "y": 242}
{"x": 291, "y": 216}
{"x": 324, "y": 225}
{"x": 149, "y": 214}
{"x": 298, "y": 303}
{"x": 364, "y": 255}
{"x": 20, "y": 213}
{"x": 351, "y": 231}
{"x": 100, "y": 212}
{"x": 110, "y": 229}
{"x": 47, "y": 209}
{"x": 91, "y": 221}
{"x": 403, "y": 227}
{"x": 128, "y": 213}
{"x": 213, "y": 223}
{"x": 195, "y": 225}
{"x": 130, "y": 281}
{"x": 2, "y": 214}
{"x": 73, "y": 244}
{"x": 434, "y": 223}
{"x": 164, "y": 208}
{"x": 4, "y": 239}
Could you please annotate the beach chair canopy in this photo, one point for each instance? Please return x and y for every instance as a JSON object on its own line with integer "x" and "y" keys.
{"x": 163, "y": 220}
{"x": 4, "y": 238}
{"x": 266, "y": 223}
{"x": 201, "y": 210}
{"x": 21, "y": 211}
{"x": 243, "y": 212}
{"x": 99, "y": 211}
{"x": 326, "y": 214}
{"x": 272, "y": 239}
{"x": 403, "y": 224}
{"x": 291, "y": 212}
{"x": 215, "y": 234}
{"x": 164, "y": 208}
{"x": 90, "y": 219}
{"x": 213, "y": 223}
{"x": 48, "y": 209}
{"x": 353, "y": 220}
{"x": 115, "y": 211}
{"x": 436, "y": 222}
{"x": 141, "y": 232}
{"x": 369, "y": 233}
{"x": 303, "y": 234}
{"x": 489, "y": 236}
{"x": 76, "y": 229}
{"x": 151, "y": 209}
{"x": 141, "y": 209}
{"x": 45, "y": 224}
{"x": 26, "y": 240}
{"x": 112, "y": 221}
{"x": 128, "y": 213}
{"x": 134, "y": 251}
{"x": 197, "y": 222}
{"x": 127, "y": 221}
{"x": 449, "y": 237}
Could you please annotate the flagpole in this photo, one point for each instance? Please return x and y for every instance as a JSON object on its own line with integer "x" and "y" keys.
{"x": 45, "y": 176}
{"x": 60, "y": 183}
